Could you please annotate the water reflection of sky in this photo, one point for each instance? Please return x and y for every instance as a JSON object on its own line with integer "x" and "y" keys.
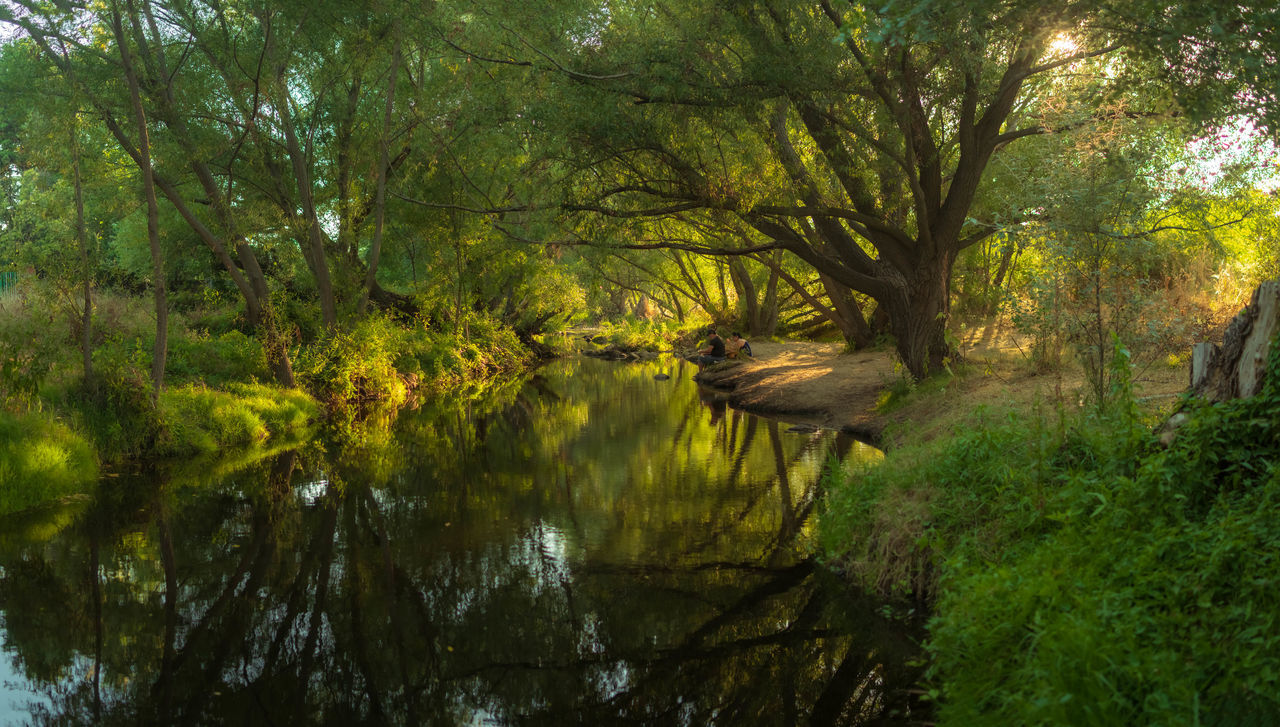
{"x": 309, "y": 492}
{"x": 18, "y": 696}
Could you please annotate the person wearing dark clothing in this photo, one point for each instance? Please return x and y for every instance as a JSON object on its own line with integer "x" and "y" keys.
{"x": 711, "y": 353}
{"x": 715, "y": 346}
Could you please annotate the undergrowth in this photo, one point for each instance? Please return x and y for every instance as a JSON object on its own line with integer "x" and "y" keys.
{"x": 199, "y": 420}
{"x": 659, "y": 334}
{"x": 213, "y": 402}
{"x": 41, "y": 460}
{"x": 1080, "y": 573}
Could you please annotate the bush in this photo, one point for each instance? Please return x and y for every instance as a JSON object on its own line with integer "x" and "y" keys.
{"x": 630, "y": 333}
{"x": 40, "y": 461}
{"x": 1153, "y": 603}
{"x": 351, "y": 367}
{"x": 442, "y": 360}
{"x": 115, "y": 409}
{"x": 28, "y": 351}
{"x": 24, "y": 365}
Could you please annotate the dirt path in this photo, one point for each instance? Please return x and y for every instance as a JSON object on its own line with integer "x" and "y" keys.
{"x": 817, "y": 383}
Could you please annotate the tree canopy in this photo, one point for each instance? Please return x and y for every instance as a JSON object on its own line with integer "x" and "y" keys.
{"x": 834, "y": 157}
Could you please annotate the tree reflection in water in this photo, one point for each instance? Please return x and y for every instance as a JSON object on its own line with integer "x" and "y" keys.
{"x": 593, "y": 547}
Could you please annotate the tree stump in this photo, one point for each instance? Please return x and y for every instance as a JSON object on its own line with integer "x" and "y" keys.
{"x": 1237, "y": 368}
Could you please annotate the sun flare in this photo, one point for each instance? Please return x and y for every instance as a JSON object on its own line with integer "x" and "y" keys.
{"x": 1063, "y": 45}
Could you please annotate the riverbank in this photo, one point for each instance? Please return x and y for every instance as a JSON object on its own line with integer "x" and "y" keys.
{"x": 60, "y": 429}
{"x": 863, "y": 393}
{"x": 1076, "y": 569}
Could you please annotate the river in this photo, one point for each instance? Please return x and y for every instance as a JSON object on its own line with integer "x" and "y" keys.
{"x": 590, "y": 545}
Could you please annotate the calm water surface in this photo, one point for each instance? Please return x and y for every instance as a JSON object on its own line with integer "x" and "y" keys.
{"x": 587, "y": 546}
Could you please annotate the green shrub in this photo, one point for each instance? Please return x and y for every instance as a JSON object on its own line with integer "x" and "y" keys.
{"x": 115, "y": 409}
{"x": 28, "y": 350}
{"x": 24, "y": 365}
{"x": 442, "y": 360}
{"x": 355, "y": 366}
{"x": 1155, "y": 602}
{"x": 630, "y": 333}
{"x": 40, "y": 461}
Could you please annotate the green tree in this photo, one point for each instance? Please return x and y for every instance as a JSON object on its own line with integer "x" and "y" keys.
{"x": 865, "y": 157}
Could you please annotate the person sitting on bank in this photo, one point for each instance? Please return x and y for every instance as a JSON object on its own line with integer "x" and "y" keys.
{"x": 737, "y": 347}
{"x": 711, "y": 353}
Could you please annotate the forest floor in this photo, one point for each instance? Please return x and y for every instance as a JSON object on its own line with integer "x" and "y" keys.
{"x": 863, "y": 392}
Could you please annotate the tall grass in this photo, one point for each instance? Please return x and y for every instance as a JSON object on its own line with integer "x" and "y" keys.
{"x": 198, "y": 420}
{"x": 41, "y": 460}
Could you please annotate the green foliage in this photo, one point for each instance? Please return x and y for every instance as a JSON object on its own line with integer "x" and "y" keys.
{"x": 631, "y": 333}
{"x": 353, "y": 366}
{"x": 1083, "y": 575}
{"x": 24, "y": 365}
{"x": 439, "y": 361}
{"x": 1207, "y": 53}
{"x": 28, "y": 347}
{"x": 380, "y": 360}
{"x": 216, "y": 360}
{"x": 41, "y": 460}
{"x": 1115, "y": 246}
{"x": 215, "y": 313}
{"x": 200, "y": 420}
{"x": 891, "y": 524}
{"x": 1037, "y": 314}
{"x": 215, "y": 402}
{"x": 115, "y": 409}
{"x": 188, "y": 264}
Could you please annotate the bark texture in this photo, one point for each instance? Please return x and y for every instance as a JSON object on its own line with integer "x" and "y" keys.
{"x": 1237, "y": 368}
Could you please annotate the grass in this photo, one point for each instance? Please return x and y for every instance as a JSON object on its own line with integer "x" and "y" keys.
{"x": 998, "y": 374}
{"x": 41, "y": 460}
{"x": 1078, "y": 572}
{"x": 198, "y": 420}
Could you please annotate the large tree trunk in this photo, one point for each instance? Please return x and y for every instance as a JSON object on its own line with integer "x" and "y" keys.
{"x": 846, "y": 313}
{"x": 918, "y": 319}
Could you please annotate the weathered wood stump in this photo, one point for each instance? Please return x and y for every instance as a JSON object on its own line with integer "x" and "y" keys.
{"x": 1237, "y": 368}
